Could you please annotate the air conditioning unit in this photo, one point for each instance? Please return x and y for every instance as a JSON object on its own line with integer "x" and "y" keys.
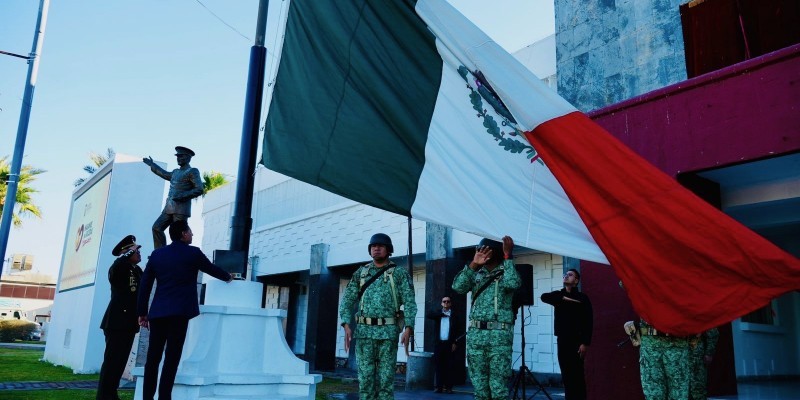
{"x": 22, "y": 262}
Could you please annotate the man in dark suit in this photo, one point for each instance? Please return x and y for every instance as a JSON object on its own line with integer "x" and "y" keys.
{"x": 448, "y": 331}
{"x": 174, "y": 268}
{"x": 119, "y": 322}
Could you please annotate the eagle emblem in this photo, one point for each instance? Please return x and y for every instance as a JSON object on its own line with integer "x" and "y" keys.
{"x": 504, "y": 133}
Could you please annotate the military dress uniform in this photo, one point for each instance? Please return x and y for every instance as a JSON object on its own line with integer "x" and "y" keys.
{"x": 698, "y": 379}
{"x": 664, "y": 364}
{"x": 491, "y": 327}
{"x": 120, "y": 322}
{"x": 377, "y": 325}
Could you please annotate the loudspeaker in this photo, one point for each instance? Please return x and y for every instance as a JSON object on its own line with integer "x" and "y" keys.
{"x": 524, "y": 295}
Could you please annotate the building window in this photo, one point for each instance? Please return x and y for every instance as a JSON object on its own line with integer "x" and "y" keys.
{"x": 719, "y": 33}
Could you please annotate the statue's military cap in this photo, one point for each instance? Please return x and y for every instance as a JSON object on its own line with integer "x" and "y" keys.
{"x": 183, "y": 150}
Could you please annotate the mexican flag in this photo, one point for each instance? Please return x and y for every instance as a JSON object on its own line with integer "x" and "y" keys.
{"x": 408, "y": 107}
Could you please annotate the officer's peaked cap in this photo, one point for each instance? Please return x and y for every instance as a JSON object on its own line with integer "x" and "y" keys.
{"x": 127, "y": 244}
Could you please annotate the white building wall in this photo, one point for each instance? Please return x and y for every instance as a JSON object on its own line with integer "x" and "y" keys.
{"x": 273, "y": 292}
{"x": 301, "y": 311}
{"x": 217, "y": 213}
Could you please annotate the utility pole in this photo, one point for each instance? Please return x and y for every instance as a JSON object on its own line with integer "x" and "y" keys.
{"x": 22, "y": 128}
{"x": 235, "y": 260}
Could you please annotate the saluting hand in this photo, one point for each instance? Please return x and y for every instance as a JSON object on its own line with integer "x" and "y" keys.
{"x": 482, "y": 255}
{"x": 508, "y": 246}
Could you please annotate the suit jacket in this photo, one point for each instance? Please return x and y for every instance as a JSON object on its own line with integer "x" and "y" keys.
{"x": 174, "y": 267}
{"x": 184, "y": 185}
{"x": 456, "y": 325}
{"x": 121, "y": 311}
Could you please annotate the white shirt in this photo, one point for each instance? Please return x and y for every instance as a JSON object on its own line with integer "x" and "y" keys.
{"x": 444, "y": 329}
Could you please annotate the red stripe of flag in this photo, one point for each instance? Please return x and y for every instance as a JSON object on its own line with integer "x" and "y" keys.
{"x": 686, "y": 266}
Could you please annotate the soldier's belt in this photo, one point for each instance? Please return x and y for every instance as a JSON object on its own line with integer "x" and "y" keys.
{"x": 488, "y": 325}
{"x": 650, "y": 331}
{"x": 375, "y": 321}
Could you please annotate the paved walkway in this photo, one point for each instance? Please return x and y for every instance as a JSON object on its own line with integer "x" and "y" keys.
{"x": 463, "y": 392}
{"x": 35, "y": 385}
{"x": 29, "y": 346}
{"x": 780, "y": 390}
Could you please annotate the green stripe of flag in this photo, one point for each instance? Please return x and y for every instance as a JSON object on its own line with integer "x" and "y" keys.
{"x": 336, "y": 57}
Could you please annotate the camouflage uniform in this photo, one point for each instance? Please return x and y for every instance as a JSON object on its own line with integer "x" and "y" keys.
{"x": 664, "y": 365}
{"x": 698, "y": 379}
{"x": 376, "y": 345}
{"x": 489, "y": 350}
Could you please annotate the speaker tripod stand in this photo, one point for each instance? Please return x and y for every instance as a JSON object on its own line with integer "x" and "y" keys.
{"x": 521, "y": 376}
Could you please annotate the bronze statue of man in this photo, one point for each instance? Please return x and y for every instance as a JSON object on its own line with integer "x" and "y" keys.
{"x": 184, "y": 185}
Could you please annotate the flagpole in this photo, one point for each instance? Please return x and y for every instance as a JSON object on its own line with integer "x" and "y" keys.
{"x": 22, "y": 128}
{"x": 241, "y": 222}
{"x": 410, "y": 273}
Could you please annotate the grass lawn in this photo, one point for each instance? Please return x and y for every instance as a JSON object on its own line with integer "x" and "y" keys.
{"x": 17, "y": 365}
{"x": 24, "y": 365}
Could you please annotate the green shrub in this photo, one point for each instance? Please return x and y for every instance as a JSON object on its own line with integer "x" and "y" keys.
{"x": 15, "y": 329}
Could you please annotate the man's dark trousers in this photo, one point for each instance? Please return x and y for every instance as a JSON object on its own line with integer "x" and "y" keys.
{"x": 169, "y": 331}
{"x": 443, "y": 356}
{"x": 118, "y": 349}
{"x": 571, "y": 368}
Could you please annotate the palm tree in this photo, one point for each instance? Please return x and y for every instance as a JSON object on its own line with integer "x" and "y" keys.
{"x": 97, "y": 161}
{"x": 23, "y": 205}
{"x": 213, "y": 180}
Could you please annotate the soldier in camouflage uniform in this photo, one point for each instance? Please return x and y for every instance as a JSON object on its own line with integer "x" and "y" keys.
{"x": 701, "y": 356}
{"x": 664, "y": 364}
{"x": 378, "y": 318}
{"x": 491, "y": 323}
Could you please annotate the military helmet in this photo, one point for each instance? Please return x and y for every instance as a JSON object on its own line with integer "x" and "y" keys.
{"x": 496, "y": 246}
{"x": 497, "y": 249}
{"x": 381, "y": 238}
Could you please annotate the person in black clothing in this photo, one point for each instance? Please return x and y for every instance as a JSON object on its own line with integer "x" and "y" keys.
{"x": 120, "y": 322}
{"x": 448, "y": 330}
{"x": 573, "y": 327}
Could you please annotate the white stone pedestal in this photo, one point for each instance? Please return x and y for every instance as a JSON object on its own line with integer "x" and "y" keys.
{"x": 236, "y": 350}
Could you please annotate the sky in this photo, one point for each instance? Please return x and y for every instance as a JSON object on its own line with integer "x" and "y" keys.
{"x": 143, "y": 77}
